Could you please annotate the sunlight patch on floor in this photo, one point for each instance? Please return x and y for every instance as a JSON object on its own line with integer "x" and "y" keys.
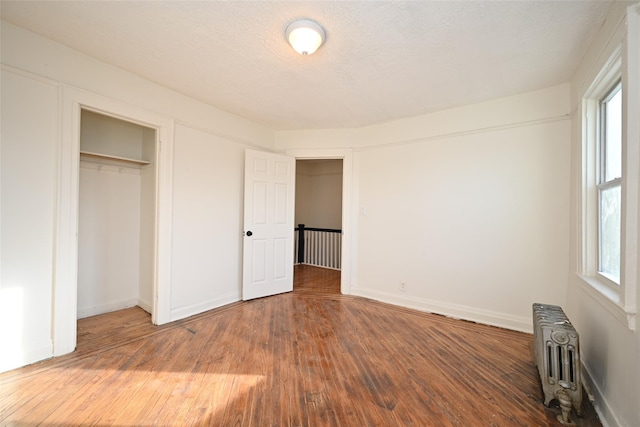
{"x": 143, "y": 397}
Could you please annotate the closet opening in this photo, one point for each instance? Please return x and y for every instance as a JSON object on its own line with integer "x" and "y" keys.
{"x": 116, "y": 215}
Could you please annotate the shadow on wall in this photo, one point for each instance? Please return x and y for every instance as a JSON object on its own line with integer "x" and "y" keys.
{"x": 595, "y": 341}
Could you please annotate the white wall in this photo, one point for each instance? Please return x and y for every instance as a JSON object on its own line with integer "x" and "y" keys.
{"x": 27, "y": 51}
{"x": 319, "y": 193}
{"x": 610, "y": 351}
{"x": 207, "y": 222}
{"x": 29, "y": 133}
{"x": 469, "y": 207}
{"x": 107, "y": 135}
{"x": 537, "y": 106}
{"x": 472, "y": 215}
{"x": 108, "y": 238}
{"x": 207, "y": 188}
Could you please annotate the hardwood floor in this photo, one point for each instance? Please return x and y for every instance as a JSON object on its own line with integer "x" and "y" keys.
{"x": 312, "y": 357}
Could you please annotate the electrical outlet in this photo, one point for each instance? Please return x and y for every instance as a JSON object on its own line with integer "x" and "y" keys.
{"x": 403, "y": 287}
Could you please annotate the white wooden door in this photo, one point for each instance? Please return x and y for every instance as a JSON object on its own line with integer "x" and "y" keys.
{"x": 269, "y": 190}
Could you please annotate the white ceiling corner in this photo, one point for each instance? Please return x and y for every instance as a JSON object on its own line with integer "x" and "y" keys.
{"x": 382, "y": 60}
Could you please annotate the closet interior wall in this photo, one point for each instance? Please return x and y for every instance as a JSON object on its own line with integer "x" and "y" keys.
{"x": 116, "y": 230}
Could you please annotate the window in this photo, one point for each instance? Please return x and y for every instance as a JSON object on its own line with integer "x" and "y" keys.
{"x": 610, "y": 213}
{"x": 609, "y": 147}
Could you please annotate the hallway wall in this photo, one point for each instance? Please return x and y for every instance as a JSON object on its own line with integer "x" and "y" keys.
{"x": 319, "y": 193}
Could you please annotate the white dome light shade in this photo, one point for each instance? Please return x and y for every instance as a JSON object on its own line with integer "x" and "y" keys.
{"x": 305, "y": 36}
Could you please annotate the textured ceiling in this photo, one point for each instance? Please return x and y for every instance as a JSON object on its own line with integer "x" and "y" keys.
{"x": 382, "y": 60}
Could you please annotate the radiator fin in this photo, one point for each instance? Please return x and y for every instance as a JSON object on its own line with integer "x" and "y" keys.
{"x": 557, "y": 351}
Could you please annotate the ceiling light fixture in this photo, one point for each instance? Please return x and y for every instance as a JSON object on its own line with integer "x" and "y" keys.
{"x": 305, "y": 36}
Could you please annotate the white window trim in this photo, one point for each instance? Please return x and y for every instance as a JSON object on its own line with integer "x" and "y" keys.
{"x": 614, "y": 81}
{"x": 619, "y": 300}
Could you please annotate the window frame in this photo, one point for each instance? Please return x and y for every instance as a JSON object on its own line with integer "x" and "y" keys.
{"x": 618, "y": 299}
{"x": 602, "y": 183}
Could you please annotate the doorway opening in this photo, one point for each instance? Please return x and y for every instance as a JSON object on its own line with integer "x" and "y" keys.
{"x": 318, "y": 219}
{"x": 116, "y": 215}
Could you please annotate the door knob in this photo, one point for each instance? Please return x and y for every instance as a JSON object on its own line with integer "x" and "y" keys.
{"x": 249, "y": 233}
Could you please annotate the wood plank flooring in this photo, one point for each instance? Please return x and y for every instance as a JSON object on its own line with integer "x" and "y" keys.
{"x": 312, "y": 357}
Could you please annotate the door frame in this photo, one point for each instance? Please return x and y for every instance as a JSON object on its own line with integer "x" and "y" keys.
{"x": 348, "y": 226}
{"x": 64, "y": 331}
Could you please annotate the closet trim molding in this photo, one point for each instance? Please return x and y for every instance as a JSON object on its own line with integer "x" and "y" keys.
{"x": 67, "y": 192}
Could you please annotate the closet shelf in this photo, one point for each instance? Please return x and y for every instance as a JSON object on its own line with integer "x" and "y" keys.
{"x": 87, "y": 155}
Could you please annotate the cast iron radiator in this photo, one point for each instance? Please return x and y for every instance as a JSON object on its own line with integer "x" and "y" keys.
{"x": 557, "y": 355}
